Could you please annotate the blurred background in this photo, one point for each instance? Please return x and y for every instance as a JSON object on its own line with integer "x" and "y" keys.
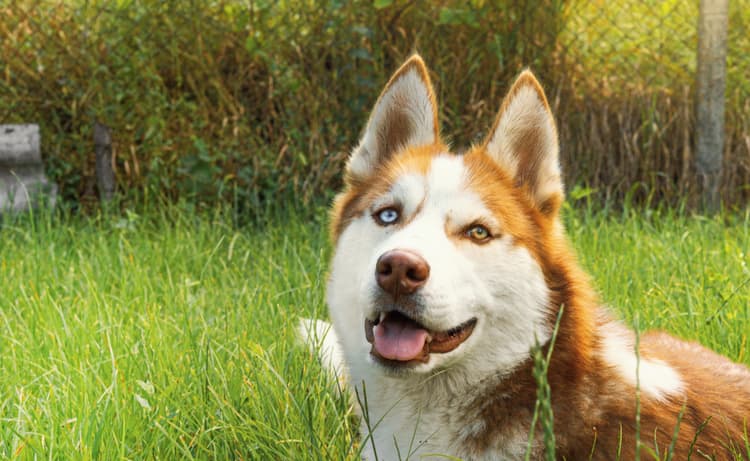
{"x": 255, "y": 102}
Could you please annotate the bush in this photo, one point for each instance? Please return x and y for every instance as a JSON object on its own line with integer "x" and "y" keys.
{"x": 225, "y": 100}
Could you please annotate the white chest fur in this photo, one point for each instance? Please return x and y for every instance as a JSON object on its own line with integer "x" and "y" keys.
{"x": 408, "y": 419}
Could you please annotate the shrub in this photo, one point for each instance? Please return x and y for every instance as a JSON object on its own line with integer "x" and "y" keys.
{"x": 226, "y": 100}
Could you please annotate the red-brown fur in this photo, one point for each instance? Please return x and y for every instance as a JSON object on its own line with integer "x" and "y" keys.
{"x": 594, "y": 409}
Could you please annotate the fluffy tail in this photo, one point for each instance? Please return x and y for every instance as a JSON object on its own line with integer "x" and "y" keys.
{"x": 319, "y": 336}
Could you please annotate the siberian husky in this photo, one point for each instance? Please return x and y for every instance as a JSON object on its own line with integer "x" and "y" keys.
{"x": 448, "y": 271}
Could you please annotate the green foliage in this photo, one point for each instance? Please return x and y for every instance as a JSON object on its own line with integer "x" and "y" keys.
{"x": 207, "y": 99}
{"x": 226, "y": 100}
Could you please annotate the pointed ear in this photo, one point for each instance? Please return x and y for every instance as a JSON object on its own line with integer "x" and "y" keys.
{"x": 405, "y": 115}
{"x": 524, "y": 142}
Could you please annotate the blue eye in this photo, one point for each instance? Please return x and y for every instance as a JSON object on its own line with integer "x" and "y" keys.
{"x": 387, "y": 216}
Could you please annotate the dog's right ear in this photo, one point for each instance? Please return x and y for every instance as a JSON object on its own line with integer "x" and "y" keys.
{"x": 405, "y": 115}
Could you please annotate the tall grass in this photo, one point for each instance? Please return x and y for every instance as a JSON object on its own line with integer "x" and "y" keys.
{"x": 169, "y": 333}
{"x": 686, "y": 274}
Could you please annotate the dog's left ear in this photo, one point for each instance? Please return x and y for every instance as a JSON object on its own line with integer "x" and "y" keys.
{"x": 405, "y": 115}
{"x": 523, "y": 141}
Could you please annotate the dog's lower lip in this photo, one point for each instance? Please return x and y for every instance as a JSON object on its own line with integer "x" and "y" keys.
{"x": 447, "y": 341}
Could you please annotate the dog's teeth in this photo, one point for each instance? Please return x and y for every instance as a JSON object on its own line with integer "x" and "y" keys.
{"x": 382, "y": 316}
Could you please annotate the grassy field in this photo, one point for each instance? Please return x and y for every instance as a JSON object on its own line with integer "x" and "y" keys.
{"x": 171, "y": 334}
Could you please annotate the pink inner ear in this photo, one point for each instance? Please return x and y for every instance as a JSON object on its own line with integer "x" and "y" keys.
{"x": 524, "y": 141}
{"x": 405, "y": 115}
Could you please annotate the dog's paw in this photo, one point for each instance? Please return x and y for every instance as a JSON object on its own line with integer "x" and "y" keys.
{"x": 319, "y": 336}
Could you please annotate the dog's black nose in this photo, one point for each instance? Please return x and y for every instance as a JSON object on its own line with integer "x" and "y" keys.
{"x": 401, "y": 272}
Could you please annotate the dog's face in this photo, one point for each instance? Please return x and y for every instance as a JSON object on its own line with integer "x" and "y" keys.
{"x": 439, "y": 258}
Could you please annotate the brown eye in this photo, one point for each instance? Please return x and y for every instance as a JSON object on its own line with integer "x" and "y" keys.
{"x": 478, "y": 233}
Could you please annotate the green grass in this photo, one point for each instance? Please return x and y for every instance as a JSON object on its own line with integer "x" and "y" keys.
{"x": 165, "y": 336}
{"x": 686, "y": 275}
{"x": 171, "y": 334}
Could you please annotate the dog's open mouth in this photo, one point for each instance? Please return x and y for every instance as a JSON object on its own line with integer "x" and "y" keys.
{"x": 397, "y": 339}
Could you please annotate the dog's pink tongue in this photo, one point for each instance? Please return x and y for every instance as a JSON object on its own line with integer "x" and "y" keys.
{"x": 398, "y": 338}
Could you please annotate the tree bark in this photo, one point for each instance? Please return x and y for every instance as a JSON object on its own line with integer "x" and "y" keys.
{"x": 105, "y": 176}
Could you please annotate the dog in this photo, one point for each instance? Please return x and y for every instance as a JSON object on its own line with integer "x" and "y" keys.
{"x": 450, "y": 270}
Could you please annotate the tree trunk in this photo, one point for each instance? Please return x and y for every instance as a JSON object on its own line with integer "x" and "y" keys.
{"x": 710, "y": 86}
{"x": 105, "y": 176}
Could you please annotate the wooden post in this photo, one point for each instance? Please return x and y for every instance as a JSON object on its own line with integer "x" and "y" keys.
{"x": 23, "y": 183}
{"x": 105, "y": 176}
{"x": 709, "y": 108}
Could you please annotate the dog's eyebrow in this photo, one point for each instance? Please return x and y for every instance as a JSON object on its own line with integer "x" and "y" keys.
{"x": 408, "y": 190}
{"x": 462, "y": 217}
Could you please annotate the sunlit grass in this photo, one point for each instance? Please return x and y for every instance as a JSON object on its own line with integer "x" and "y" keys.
{"x": 167, "y": 335}
{"x": 171, "y": 334}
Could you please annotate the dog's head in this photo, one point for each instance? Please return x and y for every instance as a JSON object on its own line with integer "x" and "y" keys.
{"x": 440, "y": 258}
